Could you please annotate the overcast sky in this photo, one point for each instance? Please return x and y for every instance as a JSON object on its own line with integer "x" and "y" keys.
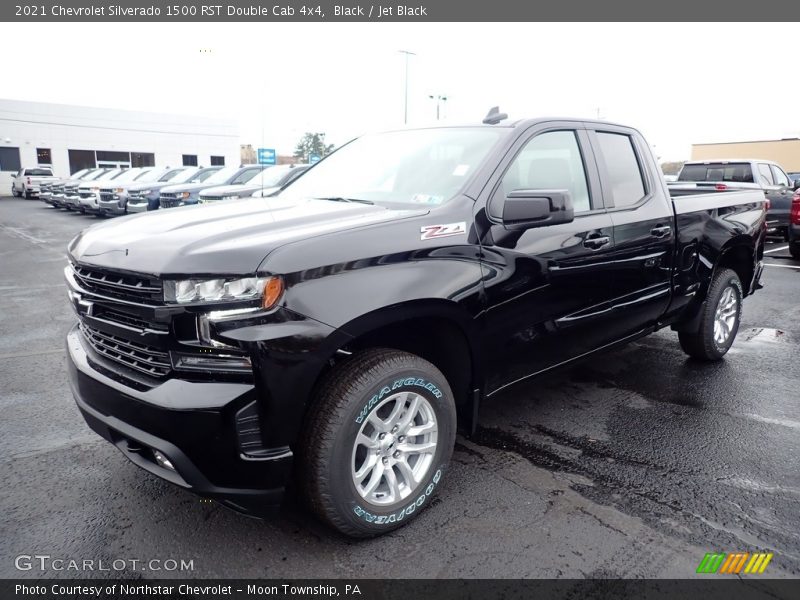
{"x": 677, "y": 83}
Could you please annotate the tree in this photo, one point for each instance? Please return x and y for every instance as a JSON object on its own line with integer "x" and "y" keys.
{"x": 312, "y": 143}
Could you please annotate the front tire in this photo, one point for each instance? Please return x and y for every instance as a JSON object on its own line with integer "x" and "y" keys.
{"x": 380, "y": 435}
{"x": 720, "y": 317}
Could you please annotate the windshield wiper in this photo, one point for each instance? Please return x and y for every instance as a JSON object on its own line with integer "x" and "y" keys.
{"x": 340, "y": 199}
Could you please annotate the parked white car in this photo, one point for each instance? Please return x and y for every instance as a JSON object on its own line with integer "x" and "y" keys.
{"x": 26, "y": 182}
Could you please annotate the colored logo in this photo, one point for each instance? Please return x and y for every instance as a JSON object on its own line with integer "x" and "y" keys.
{"x": 734, "y": 563}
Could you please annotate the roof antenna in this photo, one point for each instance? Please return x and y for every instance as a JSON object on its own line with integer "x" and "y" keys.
{"x": 494, "y": 116}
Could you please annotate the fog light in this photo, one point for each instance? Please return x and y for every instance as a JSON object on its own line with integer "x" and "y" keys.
{"x": 211, "y": 362}
{"x": 162, "y": 460}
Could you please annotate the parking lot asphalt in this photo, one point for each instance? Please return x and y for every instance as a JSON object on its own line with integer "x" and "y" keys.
{"x": 632, "y": 464}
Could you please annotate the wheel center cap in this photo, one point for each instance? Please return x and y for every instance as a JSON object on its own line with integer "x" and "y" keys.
{"x": 387, "y": 443}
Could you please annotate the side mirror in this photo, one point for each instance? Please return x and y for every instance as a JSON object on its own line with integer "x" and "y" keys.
{"x": 796, "y": 185}
{"x": 525, "y": 209}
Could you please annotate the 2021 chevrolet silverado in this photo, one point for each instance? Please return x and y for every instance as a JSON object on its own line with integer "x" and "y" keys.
{"x": 341, "y": 331}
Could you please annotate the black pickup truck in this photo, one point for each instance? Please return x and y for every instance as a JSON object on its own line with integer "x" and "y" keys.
{"x": 337, "y": 335}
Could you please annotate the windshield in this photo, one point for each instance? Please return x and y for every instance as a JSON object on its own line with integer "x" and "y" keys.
{"x": 424, "y": 166}
{"x": 272, "y": 177}
{"x": 127, "y": 175}
{"x": 731, "y": 172}
{"x": 171, "y": 175}
{"x": 150, "y": 175}
{"x": 111, "y": 174}
{"x": 222, "y": 176}
{"x": 203, "y": 175}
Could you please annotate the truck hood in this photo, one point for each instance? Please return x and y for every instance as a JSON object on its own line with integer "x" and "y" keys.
{"x": 153, "y": 185}
{"x": 222, "y": 190}
{"x": 185, "y": 187}
{"x": 226, "y": 238}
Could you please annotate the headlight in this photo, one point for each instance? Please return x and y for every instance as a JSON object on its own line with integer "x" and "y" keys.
{"x": 94, "y": 190}
{"x": 184, "y": 195}
{"x": 119, "y": 190}
{"x": 185, "y": 291}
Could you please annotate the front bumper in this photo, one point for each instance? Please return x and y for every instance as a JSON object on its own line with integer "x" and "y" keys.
{"x": 89, "y": 204}
{"x": 112, "y": 207}
{"x": 191, "y": 423}
{"x": 137, "y": 207}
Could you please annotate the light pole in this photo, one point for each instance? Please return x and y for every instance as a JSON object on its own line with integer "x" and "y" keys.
{"x": 439, "y": 101}
{"x": 405, "y": 103}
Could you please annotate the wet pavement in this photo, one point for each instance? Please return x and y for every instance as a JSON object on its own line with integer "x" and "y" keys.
{"x": 632, "y": 464}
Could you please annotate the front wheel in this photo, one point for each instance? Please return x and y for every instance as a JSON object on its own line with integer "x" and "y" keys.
{"x": 719, "y": 321}
{"x": 378, "y": 440}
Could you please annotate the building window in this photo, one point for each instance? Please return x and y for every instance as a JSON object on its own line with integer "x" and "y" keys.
{"x": 217, "y": 161}
{"x": 9, "y": 159}
{"x": 114, "y": 157}
{"x": 143, "y": 159}
{"x": 190, "y": 160}
{"x": 81, "y": 159}
{"x": 43, "y": 156}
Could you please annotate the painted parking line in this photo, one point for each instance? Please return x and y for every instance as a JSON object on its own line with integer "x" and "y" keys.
{"x": 781, "y": 266}
{"x": 776, "y": 249}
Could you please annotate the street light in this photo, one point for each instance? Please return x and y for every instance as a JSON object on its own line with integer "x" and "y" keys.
{"x": 405, "y": 104}
{"x": 439, "y": 101}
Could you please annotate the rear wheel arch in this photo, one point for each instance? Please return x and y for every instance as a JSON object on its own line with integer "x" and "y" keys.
{"x": 738, "y": 255}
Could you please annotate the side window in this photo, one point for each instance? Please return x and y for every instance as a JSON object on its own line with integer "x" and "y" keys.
{"x": 622, "y": 166}
{"x": 780, "y": 177}
{"x": 764, "y": 174}
{"x": 245, "y": 176}
{"x": 550, "y": 161}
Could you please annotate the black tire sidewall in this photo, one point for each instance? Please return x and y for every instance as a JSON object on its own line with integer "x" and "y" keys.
{"x": 729, "y": 279}
{"x": 349, "y": 504}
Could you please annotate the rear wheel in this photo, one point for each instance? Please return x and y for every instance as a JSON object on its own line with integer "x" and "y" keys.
{"x": 379, "y": 437}
{"x": 14, "y": 191}
{"x": 719, "y": 321}
{"x": 794, "y": 250}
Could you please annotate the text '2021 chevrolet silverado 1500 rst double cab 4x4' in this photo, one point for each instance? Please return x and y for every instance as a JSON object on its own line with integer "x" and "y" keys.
{"x": 340, "y": 332}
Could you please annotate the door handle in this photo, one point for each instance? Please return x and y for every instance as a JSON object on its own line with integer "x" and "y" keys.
{"x": 596, "y": 242}
{"x": 660, "y": 231}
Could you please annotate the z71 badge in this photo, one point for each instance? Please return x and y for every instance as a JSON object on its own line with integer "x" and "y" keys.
{"x": 430, "y": 232}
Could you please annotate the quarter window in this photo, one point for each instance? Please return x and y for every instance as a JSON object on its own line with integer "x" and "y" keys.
{"x": 550, "y": 161}
{"x": 622, "y": 167}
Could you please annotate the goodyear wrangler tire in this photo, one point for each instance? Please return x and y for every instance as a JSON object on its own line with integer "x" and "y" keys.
{"x": 379, "y": 438}
{"x": 719, "y": 321}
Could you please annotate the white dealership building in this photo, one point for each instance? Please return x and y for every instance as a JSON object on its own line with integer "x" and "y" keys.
{"x": 70, "y": 138}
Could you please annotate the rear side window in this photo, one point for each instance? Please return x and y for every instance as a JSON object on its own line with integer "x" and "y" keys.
{"x": 622, "y": 166}
{"x": 764, "y": 174}
{"x": 730, "y": 172}
{"x": 38, "y": 172}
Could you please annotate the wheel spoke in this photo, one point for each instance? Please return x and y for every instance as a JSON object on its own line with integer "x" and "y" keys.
{"x": 394, "y": 485}
{"x": 363, "y": 440}
{"x": 429, "y": 427}
{"x": 399, "y": 405}
{"x": 407, "y": 472}
{"x": 417, "y": 448}
{"x": 368, "y": 465}
{"x": 408, "y": 418}
{"x": 377, "y": 422}
{"x": 375, "y": 479}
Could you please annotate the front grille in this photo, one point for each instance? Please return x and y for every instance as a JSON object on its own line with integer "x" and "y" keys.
{"x": 71, "y": 191}
{"x": 125, "y": 319}
{"x": 169, "y": 203}
{"x": 85, "y": 194}
{"x": 168, "y": 196}
{"x": 134, "y": 355}
{"x": 57, "y": 189}
{"x": 106, "y": 196}
{"x": 132, "y": 288}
